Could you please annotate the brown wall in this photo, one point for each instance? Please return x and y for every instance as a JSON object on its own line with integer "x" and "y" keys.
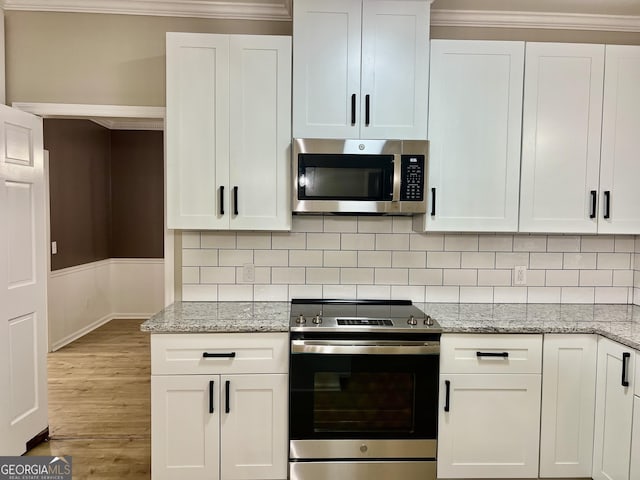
{"x": 79, "y": 164}
{"x": 137, "y": 194}
{"x": 106, "y": 192}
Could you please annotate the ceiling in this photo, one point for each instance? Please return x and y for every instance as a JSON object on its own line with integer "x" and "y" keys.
{"x": 613, "y": 15}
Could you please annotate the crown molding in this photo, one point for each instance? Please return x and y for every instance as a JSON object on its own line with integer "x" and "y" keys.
{"x": 545, "y": 20}
{"x": 123, "y": 124}
{"x": 241, "y": 9}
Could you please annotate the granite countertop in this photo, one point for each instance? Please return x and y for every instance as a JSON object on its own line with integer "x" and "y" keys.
{"x": 620, "y": 323}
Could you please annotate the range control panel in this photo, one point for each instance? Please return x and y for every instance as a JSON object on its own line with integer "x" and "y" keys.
{"x": 412, "y": 178}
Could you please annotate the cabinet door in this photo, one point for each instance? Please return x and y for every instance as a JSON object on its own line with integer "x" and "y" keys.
{"x": 492, "y": 427}
{"x": 614, "y": 408}
{"x": 475, "y": 111}
{"x": 568, "y": 405}
{"x": 260, "y": 125}
{"x": 395, "y": 69}
{"x": 634, "y": 470}
{"x": 326, "y": 68}
{"x": 619, "y": 166}
{"x": 254, "y": 427}
{"x": 184, "y": 431}
{"x": 561, "y": 126}
{"x": 197, "y": 126}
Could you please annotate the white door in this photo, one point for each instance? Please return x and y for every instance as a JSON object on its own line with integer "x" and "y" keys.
{"x": 568, "y": 405}
{"x": 614, "y": 410}
{"x": 395, "y": 69}
{"x": 254, "y": 430}
{"x": 185, "y": 427}
{"x": 197, "y": 126}
{"x": 619, "y": 165}
{"x": 23, "y": 270}
{"x": 492, "y": 427}
{"x": 326, "y": 68}
{"x": 561, "y": 127}
{"x": 260, "y": 126}
{"x": 475, "y": 112}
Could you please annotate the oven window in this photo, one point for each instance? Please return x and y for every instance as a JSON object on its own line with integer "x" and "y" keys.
{"x": 363, "y": 402}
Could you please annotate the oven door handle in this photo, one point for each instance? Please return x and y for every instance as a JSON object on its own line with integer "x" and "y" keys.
{"x": 364, "y": 347}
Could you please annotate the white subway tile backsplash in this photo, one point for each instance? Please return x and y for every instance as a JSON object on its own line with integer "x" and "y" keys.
{"x": 200, "y": 293}
{"x": 271, "y": 258}
{"x": 288, "y": 241}
{"x": 206, "y": 257}
{"x": 322, "y": 276}
{"x": 402, "y": 225}
{"x": 218, "y": 240}
{"x": 234, "y": 258}
{"x": 190, "y": 239}
{"x": 253, "y": 241}
{"x": 535, "y": 278}
{"x": 391, "y": 276}
{"x": 600, "y": 243}
{"x": 443, "y": 259}
{"x": 404, "y": 292}
{"x": 495, "y": 243}
{"x": 190, "y": 275}
{"x": 494, "y": 278}
{"x": 460, "y": 277}
{"x": 339, "y": 291}
{"x": 425, "y": 276}
{"x": 476, "y": 295}
{"x": 624, "y": 244}
{"x": 235, "y": 293}
{"x": 340, "y": 258}
{"x": 323, "y": 241}
{"x": 374, "y": 292}
{"x": 305, "y": 258}
{"x": 543, "y": 294}
{"x": 408, "y": 259}
{"x": 307, "y": 223}
{"x": 577, "y": 295}
{"x": 622, "y": 278}
{"x": 618, "y": 261}
{"x": 392, "y": 241}
{"x": 288, "y": 275}
{"x": 562, "y": 278}
{"x": 579, "y": 261}
{"x": 305, "y": 291}
{"x": 510, "y": 294}
{"x": 356, "y": 276}
{"x": 529, "y": 243}
{"x": 563, "y": 243}
{"x": 442, "y": 294}
{"x": 358, "y": 241}
{"x": 596, "y": 278}
{"x": 611, "y": 295}
{"x": 217, "y": 275}
{"x": 478, "y": 260}
{"x": 543, "y": 261}
{"x": 261, "y": 275}
{"x": 270, "y": 293}
{"x": 427, "y": 242}
{"x": 375, "y": 225}
{"x": 374, "y": 259}
{"x": 461, "y": 243}
{"x": 340, "y": 224}
{"x": 510, "y": 260}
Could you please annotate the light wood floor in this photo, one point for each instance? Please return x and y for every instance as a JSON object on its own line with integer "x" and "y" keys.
{"x": 99, "y": 403}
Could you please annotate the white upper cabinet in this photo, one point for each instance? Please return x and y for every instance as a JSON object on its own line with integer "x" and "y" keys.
{"x": 360, "y": 68}
{"x": 475, "y": 111}
{"x": 228, "y": 131}
{"x": 561, "y": 127}
{"x": 619, "y": 165}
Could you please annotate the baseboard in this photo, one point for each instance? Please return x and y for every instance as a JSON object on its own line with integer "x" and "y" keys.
{"x": 132, "y": 316}
{"x": 83, "y": 331}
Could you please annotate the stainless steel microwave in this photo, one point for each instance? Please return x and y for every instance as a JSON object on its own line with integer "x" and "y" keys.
{"x": 359, "y": 176}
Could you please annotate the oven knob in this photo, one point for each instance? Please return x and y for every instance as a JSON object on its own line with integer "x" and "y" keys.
{"x": 317, "y": 319}
{"x": 301, "y": 319}
{"x": 428, "y": 321}
{"x": 412, "y": 320}
{"x": 364, "y": 448}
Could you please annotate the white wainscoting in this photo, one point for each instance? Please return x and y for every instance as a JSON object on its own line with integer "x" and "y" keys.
{"x": 85, "y": 297}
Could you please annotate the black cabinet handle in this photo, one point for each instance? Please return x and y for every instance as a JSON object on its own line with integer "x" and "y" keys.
{"x": 447, "y": 394}
{"x": 625, "y": 362}
{"x": 367, "y": 102}
{"x": 227, "y": 387}
{"x": 492, "y": 354}
{"x": 235, "y": 200}
{"x": 433, "y": 202}
{"x": 211, "y": 383}
{"x": 607, "y": 203}
{"x": 594, "y": 199}
{"x": 221, "y": 199}
{"x": 218, "y": 355}
{"x": 353, "y": 109}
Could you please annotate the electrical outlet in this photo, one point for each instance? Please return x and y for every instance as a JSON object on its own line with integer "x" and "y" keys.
{"x": 520, "y": 275}
{"x": 248, "y": 273}
{"x": 54, "y": 248}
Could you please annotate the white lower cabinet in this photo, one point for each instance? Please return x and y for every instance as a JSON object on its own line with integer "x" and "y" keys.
{"x": 634, "y": 469}
{"x": 614, "y": 410}
{"x": 568, "y": 404}
{"x": 209, "y": 426}
{"x": 489, "y": 423}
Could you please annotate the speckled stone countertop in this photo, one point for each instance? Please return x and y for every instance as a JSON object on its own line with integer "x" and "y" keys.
{"x": 617, "y": 322}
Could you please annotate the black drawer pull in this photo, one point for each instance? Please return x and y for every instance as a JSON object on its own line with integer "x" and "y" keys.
{"x": 625, "y": 365}
{"x": 594, "y": 200}
{"x": 492, "y": 354}
{"x": 227, "y": 387}
{"x": 221, "y": 199}
{"x": 433, "y": 201}
{"x": 353, "y": 109}
{"x": 211, "y": 383}
{"x": 607, "y": 204}
{"x": 447, "y": 394}
{"x": 218, "y": 355}
{"x": 367, "y": 109}
{"x": 235, "y": 200}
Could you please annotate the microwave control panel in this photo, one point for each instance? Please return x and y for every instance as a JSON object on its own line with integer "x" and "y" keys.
{"x": 412, "y": 178}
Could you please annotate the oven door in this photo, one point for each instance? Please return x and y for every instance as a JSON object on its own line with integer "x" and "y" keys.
{"x": 363, "y": 399}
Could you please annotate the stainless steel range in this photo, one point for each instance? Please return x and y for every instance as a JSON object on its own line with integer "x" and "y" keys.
{"x": 363, "y": 390}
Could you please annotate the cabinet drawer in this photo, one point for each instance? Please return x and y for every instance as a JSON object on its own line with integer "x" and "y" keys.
{"x": 219, "y": 353}
{"x": 501, "y": 353}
